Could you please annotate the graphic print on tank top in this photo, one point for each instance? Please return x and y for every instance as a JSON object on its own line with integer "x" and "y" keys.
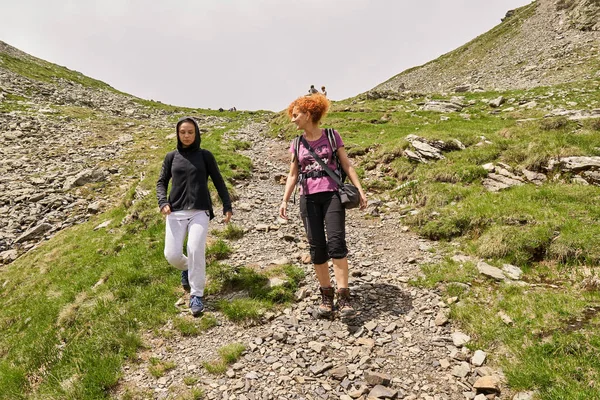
{"x": 309, "y": 164}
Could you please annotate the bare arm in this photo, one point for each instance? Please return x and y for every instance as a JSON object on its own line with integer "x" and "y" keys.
{"x": 290, "y": 182}
{"x": 349, "y": 170}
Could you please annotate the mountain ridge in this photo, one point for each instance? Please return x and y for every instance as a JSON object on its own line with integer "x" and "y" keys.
{"x": 541, "y": 44}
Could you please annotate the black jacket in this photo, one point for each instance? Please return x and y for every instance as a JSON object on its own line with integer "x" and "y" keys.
{"x": 189, "y": 168}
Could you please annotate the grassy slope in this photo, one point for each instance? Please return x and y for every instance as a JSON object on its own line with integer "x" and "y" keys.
{"x": 472, "y": 55}
{"x": 550, "y": 231}
{"x": 65, "y": 337}
{"x": 469, "y": 53}
{"x": 43, "y": 71}
{"x": 72, "y": 310}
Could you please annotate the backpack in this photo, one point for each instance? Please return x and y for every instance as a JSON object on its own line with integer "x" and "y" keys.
{"x": 332, "y": 143}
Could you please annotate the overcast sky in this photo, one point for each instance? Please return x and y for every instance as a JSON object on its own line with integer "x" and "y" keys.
{"x": 251, "y": 54}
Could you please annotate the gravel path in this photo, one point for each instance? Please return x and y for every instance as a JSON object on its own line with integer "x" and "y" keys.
{"x": 399, "y": 346}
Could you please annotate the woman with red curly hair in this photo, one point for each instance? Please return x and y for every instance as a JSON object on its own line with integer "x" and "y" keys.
{"x": 321, "y": 209}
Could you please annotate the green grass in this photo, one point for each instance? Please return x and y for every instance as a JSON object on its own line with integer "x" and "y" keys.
{"x": 194, "y": 327}
{"x": 243, "y": 309}
{"x": 550, "y": 231}
{"x": 231, "y": 232}
{"x": 40, "y": 70}
{"x": 257, "y": 295}
{"x": 540, "y": 350}
{"x": 158, "y": 367}
{"x": 477, "y": 48}
{"x": 446, "y": 272}
{"x": 193, "y": 394}
{"x": 73, "y": 309}
{"x": 13, "y": 102}
{"x": 228, "y": 355}
{"x": 525, "y": 224}
{"x": 219, "y": 250}
{"x": 95, "y": 291}
{"x": 190, "y": 380}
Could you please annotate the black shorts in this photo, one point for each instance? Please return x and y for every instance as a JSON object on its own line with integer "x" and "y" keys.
{"x": 324, "y": 220}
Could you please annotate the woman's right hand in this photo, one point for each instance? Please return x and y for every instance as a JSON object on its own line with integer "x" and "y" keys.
{"x": 166, "y": 210}
{"x": 283, "y": 210}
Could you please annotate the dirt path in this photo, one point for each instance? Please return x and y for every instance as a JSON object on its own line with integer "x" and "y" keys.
{"x": 294, "y": 355}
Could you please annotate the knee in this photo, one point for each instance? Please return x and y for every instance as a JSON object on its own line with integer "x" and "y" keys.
{"x": 175, "y": 258}
{"x": 319, "y": 254}
{"x": 338, "y": 249}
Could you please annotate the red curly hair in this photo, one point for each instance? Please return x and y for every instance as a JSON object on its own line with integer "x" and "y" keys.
{"x": 316, "y": 104}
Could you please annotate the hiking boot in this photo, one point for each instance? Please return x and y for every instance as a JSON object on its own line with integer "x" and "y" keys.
{"x": 326, "y": 307}
{"x": 343, "y": 303}
{"x": 196, "y": 305}
{"x": 185, "y": 281}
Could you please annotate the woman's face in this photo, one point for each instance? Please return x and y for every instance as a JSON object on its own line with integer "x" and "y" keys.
{"x": 187, "y": 133}
{"x": 300, "y": 118}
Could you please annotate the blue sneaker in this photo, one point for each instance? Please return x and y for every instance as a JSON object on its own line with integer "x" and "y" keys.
{"x": 196, "y": 305}
{"x": 185, "y": 281}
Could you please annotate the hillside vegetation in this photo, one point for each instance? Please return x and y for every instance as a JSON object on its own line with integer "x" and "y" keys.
{"x": 549, "y": 229}
{"x": 75, "y": 302}
{"x": 544, "y": 43}
{"x": 495, "y": 184}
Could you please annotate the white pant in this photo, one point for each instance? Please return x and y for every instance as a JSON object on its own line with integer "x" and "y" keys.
{"x": 194, "y": 223}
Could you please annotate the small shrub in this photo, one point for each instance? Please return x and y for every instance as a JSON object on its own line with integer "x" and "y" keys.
{"x": 186, "y": 327}
{"x": 208, "y": 321}
{"x": 158, "y": 368}
{"x": 241, "y": 144}
{"x": 232, "y": 352}
{"x": 516, "y": 244}
{"x": 190, "y": 380}
{"x": 242, "y": 309}
{"x": 228, "y": 355}
{"x": 216, "y": 367}
{"x": 219, "y": 250}
{"x": 231, "y": 232}
{"x": 550, "y": 124}
{"x": 193, "y": 394}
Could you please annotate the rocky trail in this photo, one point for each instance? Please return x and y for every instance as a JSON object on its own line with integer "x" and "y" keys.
{"x": 399, "y": 346}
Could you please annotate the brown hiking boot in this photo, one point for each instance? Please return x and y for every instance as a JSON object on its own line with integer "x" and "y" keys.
{"x": 343, "y": 303}
{"x": 325, "y": 309}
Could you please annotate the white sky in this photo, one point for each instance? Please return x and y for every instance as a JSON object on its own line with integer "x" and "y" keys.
{"x": 251, "y": 54}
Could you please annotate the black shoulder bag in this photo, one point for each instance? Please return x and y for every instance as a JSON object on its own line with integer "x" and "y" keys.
{"x": 348, "y": 192}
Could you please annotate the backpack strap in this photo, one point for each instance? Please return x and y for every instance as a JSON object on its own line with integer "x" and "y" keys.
{"x": 297, "y": 159}
{"x": 297, "y": 149}
{"x": 334, "y": 147}
{"x": 332, "y": 141}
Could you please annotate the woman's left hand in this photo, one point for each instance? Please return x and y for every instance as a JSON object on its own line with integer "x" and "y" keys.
{"x": 363, "y": 200}
{"x": 227, "y": 218}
